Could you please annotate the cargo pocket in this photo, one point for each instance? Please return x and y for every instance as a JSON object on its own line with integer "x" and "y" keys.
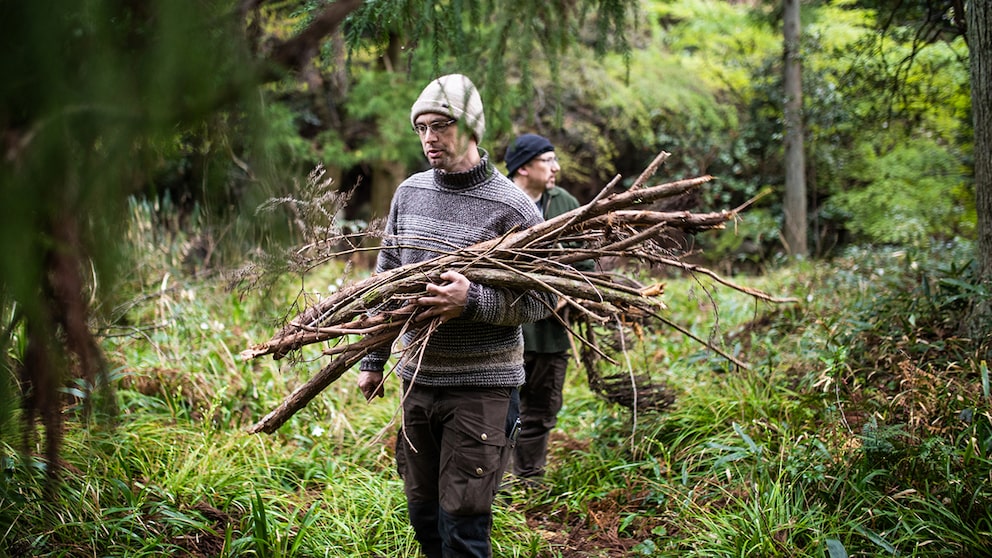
{"x": 472, "y": 471}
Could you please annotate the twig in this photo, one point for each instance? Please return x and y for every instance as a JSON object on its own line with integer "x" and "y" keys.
{"x": 650, "y": 170}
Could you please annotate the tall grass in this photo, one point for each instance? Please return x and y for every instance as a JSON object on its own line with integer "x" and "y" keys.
{"x": 862, "y": 427}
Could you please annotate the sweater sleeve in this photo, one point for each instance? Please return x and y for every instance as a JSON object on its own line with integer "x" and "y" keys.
{"x": 507, "y": 307}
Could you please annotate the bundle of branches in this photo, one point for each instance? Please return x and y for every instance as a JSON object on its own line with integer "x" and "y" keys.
{"x": 615, "y": 223}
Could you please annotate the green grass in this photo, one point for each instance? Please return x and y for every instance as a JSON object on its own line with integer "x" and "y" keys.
{"x": 862, "y": 427}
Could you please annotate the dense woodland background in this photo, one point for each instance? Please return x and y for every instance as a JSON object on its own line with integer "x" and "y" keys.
{"x": 162, "y": 164}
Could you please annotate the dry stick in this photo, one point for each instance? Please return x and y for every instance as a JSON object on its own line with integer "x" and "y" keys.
{"x": 281, "y": 345}
{"x": 602, "y": 204}
{"x": 302, "y": 395}
{"x": 300, "y": 331}
{"x": 599, "y": 207}
{"x": 365, "y": 324}
{"x": 530, "y": 278}
{"x": 392, "y": 329}
{"x": 696, "y": 338}
{"x": 650, "y": 170}
{"x": 306, "y": 392}
{"x": 333, "y": 309}
{"x": 368, "y": 293}
{"x": 633, "y": 220}
{"x": 616, "y": 299}
{"x": 681, "y": 219}
{"x": 572, "y": 216}
{"x": 498, "y": 278}
{"x": 355, "y": 298}
{"x": 627, "y": 199}
{"x": 633, "y": 239}
{"x": 726, "y": 282}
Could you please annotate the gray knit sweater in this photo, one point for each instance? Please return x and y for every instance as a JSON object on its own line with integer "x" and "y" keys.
{"x": 432, "y": 212}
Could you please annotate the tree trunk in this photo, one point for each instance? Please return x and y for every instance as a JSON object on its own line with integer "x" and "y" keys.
{"x": 386, "y": 176}
{"x": 980, "y": 46}
{"x": 795, "y": 164}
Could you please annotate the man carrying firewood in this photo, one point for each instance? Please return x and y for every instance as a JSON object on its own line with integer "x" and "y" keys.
{"x": 533, "y": 166}
{"x": 463, "y": 363}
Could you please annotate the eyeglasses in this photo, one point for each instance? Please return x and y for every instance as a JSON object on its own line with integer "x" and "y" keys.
{"x": 550, "y": 159}
{"x": 436, "y": 127}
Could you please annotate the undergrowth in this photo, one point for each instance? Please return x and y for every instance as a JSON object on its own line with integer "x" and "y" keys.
{"x": 862, "y": 426}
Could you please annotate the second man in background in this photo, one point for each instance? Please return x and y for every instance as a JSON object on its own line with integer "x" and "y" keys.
{"x": 532, "y": 165}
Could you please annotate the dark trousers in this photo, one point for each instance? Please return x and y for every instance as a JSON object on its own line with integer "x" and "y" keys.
{"x": 451, "y": 454}
{"x": 540, "y": 402}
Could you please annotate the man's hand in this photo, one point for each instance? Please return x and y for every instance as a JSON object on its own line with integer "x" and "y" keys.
{"x": 446, "y": 301}
{"x": 371, "y": 384}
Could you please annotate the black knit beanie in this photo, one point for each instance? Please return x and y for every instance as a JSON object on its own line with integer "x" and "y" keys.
{"x": 525, "y": 148}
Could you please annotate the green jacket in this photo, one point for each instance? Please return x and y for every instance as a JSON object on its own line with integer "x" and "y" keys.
{"x": 548, "y": 335}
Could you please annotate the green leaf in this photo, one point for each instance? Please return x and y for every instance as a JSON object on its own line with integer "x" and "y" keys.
{"x": 747, "y": 439}
{"x": 836, "y": 549}
{"x": 984, "y": 368}
{"x": 730, "y": 458}
{"x": 875, "y": 538}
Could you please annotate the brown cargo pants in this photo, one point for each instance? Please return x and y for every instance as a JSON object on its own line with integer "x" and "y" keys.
{"x": 451, "y": 453}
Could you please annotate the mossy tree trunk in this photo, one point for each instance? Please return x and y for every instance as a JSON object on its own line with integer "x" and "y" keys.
{"x": 795, "y": 163}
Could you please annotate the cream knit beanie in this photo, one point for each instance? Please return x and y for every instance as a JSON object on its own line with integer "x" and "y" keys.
{"x": 456, "y": 96}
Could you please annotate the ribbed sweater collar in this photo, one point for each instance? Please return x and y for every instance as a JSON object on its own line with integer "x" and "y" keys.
{"x": 466, "y": 179}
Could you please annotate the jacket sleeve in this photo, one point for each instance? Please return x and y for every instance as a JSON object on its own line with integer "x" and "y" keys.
{"x": 568, "y": 203}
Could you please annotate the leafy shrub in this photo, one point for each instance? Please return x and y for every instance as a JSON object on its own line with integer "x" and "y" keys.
{"x": 913, "y": 193}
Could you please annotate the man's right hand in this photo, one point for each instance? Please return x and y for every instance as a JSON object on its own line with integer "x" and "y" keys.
{"x": 371, "y": 384}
